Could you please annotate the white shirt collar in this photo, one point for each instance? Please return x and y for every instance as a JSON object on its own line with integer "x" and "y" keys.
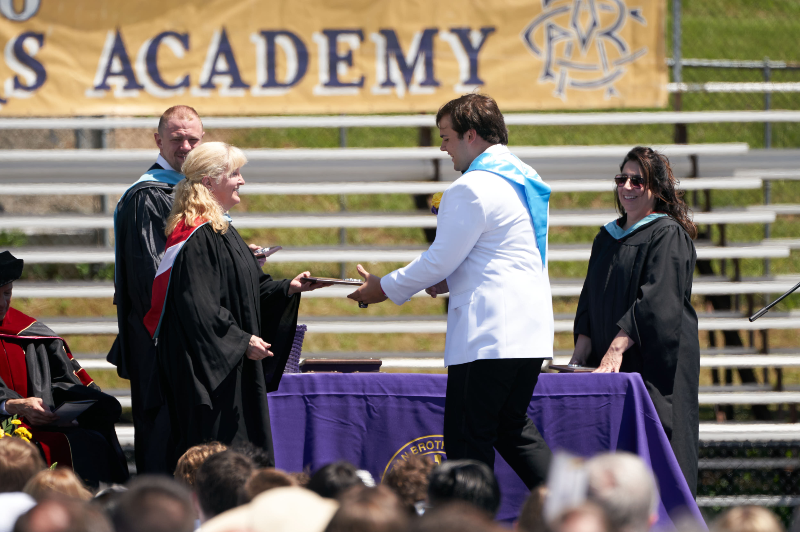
{"x": 163, "y": 162}
{"x": 497, "y": 149}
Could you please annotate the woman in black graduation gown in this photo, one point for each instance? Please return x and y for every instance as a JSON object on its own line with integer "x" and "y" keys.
{"x": 635, "y": 312}
{"x": 226, "y": 328}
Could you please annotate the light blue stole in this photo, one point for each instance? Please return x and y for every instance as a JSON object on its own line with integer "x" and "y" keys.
{"x": 157, "y": 174}
{"x": 617, "y": 232}
{"x": 537, "y": 192}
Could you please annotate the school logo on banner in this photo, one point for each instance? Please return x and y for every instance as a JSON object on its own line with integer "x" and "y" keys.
{"x": 430, "y": 445}
{"x": 583, "y": 45}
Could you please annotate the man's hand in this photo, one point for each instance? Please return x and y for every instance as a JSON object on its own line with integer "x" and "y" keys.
{"x": 370, "y": 292}
{"x": 33, "y": 410}
{"x": 258, "y": 349}
{"x": 439, "y": 288}
{"x": 298, "y": 285}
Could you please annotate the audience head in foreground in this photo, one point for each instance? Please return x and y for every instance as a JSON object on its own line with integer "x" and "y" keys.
{"x": 220, "y": 483}
{"x": 456, "y": 516}
{"x": 531, "y": 515}
{"x": 14, "y": 505}
{"x": 282, "y": 509}
{"x": 61, "y": 481}
{"x": 585, "y": 517}
{"x": 409, "y": 480}
{"x": 333, "y": 479}
{"x": 464, "y": 480}
{"x": 19, "y": 462}
{"x": 154, "y": 503}
{"x": 63, "y": 515}
{"x": 625, "y": 489}
{"x": 747, "y": 518}
{"x": 193, "y": 458}
{"x": 265, "y": 479}
{"x": 369, "y": 509}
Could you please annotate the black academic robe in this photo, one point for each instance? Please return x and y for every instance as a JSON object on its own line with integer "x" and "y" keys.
{"x": 35, "y": 363}
{"x": 218, "y": 297}
{"x": 642, "y": 284}
{"x": 140, "y": 243}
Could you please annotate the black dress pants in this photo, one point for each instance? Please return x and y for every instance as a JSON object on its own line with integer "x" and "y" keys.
{"x": 486, "y": 408}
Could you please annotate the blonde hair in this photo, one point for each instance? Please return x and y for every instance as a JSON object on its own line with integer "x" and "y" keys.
{"x": 19, "y": 462}
{"x": 191, "y": 461}
{"x": 59, "y": 481}
{"x": 747, "y": 518}
{"x": 193, "y": 200}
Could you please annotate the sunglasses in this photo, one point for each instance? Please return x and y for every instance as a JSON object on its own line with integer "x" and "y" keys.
{"x": 637, "y": 181}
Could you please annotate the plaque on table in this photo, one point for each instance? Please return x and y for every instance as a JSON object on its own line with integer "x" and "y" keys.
{"x": 572, "y": 369}
{"x": 344, "y": 366}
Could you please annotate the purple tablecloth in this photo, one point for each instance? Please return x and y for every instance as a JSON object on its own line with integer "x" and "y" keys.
{"x": 374, "y": 420}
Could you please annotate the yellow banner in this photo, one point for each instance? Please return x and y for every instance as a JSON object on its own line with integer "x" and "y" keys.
{"x": 258, "y": 57}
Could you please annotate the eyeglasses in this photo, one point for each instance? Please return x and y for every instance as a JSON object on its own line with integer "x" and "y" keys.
{"x": 637, "y": 182}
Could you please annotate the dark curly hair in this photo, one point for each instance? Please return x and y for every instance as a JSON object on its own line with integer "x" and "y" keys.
{"x": 658, "y": 177}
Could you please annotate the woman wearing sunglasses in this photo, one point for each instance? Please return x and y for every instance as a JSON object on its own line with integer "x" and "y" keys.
{"x": 634, "y": 312}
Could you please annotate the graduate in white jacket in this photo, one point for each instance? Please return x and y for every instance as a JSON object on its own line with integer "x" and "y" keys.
{"x": 490, "y": 254}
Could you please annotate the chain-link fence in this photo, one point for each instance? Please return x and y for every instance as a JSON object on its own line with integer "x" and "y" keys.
{"x": 747, "y": 473}
{"x": 737, "y": 42}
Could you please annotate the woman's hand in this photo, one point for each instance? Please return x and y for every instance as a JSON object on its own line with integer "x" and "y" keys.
{"x": 263, "y": 259}
{"x": 583, "y": 348}
{"x": 33, "y": 410}
{"x": 257, "y": 349}
{"x": 612, "y": 360}
{"x": 439, "y": 288}
{"x": 298, "y": 285}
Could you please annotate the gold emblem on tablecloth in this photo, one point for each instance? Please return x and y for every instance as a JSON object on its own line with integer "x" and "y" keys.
{"x": 432, "y": 445}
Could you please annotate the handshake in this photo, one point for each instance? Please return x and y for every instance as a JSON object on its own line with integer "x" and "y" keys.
{"x": 372, "y": 293}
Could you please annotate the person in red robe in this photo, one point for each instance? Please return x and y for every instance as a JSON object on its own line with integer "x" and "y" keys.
{"x": 38, "y": 374}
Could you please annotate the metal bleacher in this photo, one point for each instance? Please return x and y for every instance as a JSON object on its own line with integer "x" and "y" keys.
{"x": 413, "y": 171}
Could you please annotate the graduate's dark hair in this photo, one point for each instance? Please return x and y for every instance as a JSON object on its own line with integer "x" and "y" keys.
{"x": 464, "y": 480}
{"x": 658, "y": 177}
{"x": 475, "y": 112}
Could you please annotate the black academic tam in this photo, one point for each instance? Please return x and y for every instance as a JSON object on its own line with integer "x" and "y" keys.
{"x": 642, "y": 284}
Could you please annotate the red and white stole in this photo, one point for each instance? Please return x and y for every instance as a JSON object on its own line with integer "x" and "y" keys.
{"x": 16, "y": 330}
{"x": 175, "y": 242}
{"x": 13, "y": 367}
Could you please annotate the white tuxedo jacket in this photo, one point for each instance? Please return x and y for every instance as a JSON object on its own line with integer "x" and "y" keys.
{"x": 500, "y": 301}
